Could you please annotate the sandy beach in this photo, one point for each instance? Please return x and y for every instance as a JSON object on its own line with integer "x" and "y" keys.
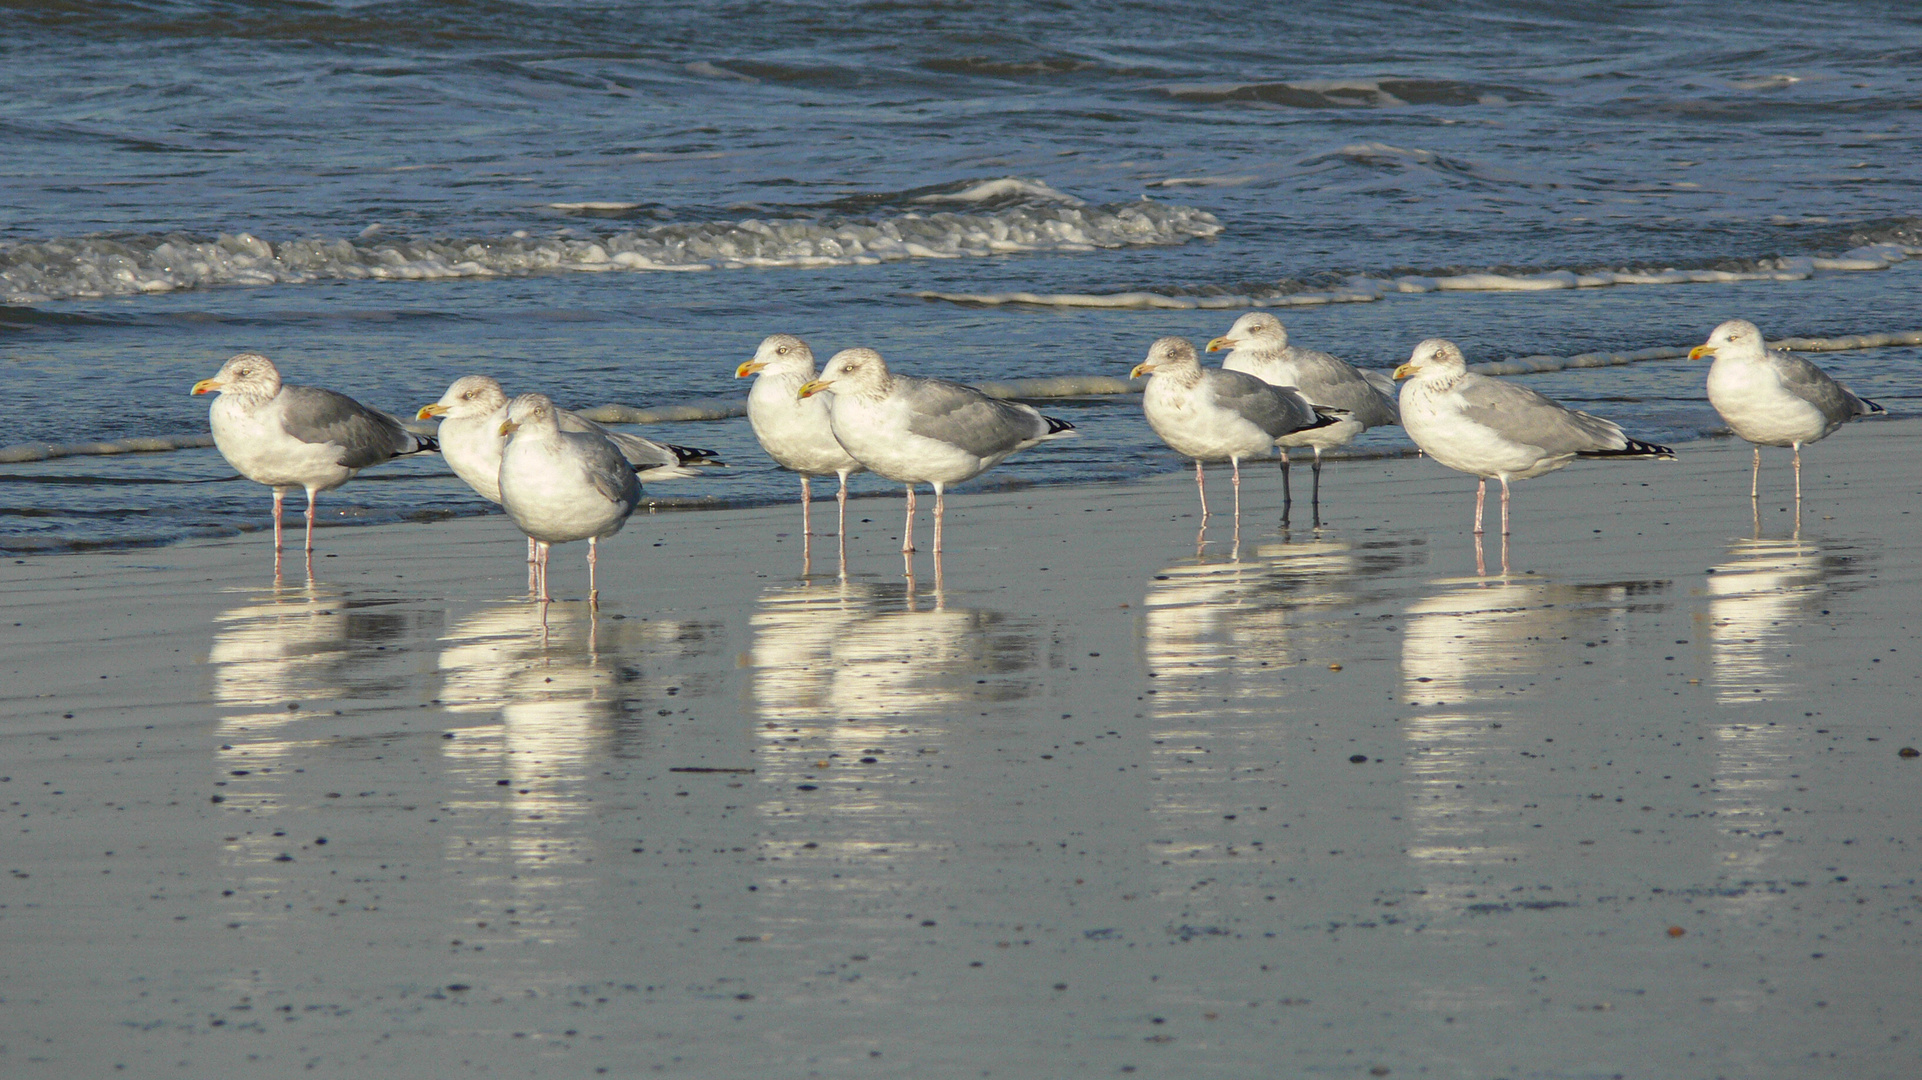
{"x": 1337, "y": 806}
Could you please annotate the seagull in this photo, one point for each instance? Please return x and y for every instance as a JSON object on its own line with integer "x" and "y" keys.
{"x": 470, "y": 436}
{"x": 914, "y": 430}
{"x": 1260, "y": 348}
{"x": 1486, "y": 427}
{"x": 298, "y": 436}
{"x": 1209, "y": 414}
{"x": 795, "y": 431}
{"x": 1774, "y": 398}
{"x": 562, "y": 485}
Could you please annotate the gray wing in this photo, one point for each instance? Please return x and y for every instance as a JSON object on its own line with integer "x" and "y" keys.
{"x": 1813, "y": 385}
{"x": 1326, "y": 380}
{"x": 965, "y": 417}
{"x": 643, "y": 453}
{"x": 366, "y": 436}
{"x": 1524, "y": 416}
{"x": 1276, "y": 410}
{"x": 606, "y": 469}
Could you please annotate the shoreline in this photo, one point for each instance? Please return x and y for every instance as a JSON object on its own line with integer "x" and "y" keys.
{"x": 1091, "y": 803}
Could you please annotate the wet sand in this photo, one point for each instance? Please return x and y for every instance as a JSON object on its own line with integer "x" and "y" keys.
{"x": 1339, "y": 808}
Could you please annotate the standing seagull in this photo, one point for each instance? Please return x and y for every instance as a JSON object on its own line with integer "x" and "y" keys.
{"x": 562, "y": 485}
{"x": 795, "y": 431}
{"x": 471, "y": 413}
{"x": 298, "y": 436}
{"x": 1485, "y": 427}
{"x": 1774, "y": 398}
{"x": 914, "y": 430}
{"x": 1260, "y": 348}
{"x": 1209, "y": 414}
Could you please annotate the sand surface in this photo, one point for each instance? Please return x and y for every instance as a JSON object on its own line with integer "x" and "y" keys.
{"x": 1339, "y": 808}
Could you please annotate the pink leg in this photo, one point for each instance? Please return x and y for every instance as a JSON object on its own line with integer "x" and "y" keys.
{"x": 1201, "y": 489}
{"x": 1755, "y": 475}
{"x": 593, "y": 558}
{"x": 940, "y": 511}
{"x": 841, "y": 525}
{"x": 1235, "y": 467}
{"x": 279, "y": 497}
{"x": 541, "y": 551}
{"x": 907, "y": 531}
{"x": 1504, "y": 509}
{"x": 807, "y": 526}
{"x": 1798, "y": 473}
{"x": 310, "y": 535}
{"x": 1481, "y": 496}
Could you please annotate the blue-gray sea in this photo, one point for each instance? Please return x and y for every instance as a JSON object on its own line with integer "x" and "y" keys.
{"x": 614, "y": 202}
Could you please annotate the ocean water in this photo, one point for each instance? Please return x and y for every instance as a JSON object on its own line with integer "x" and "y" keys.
{"x": 614, "y": 202}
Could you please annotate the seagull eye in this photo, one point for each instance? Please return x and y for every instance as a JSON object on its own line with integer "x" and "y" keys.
{"x": 781, "y": 350}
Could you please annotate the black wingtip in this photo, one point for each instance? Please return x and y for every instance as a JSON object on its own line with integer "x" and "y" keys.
{"x": 426, "y": 444}
{"x": 1636, "y": 448}
{"x": 694, "y": 455}
{"x": 1055, "y": 427}
{"x": 1872, "y": 408}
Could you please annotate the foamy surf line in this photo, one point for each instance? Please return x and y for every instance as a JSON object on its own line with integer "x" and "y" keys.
{"x": 1364, "y": 289}
{"x": 93, "y": 266}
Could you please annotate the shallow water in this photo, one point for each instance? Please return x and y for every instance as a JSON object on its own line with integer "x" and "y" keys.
{"x": 614, "y": 203}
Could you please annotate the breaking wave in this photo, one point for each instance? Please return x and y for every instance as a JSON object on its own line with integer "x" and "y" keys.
{"x": 1363, "y": 288}
{"x": 992, "y": 218}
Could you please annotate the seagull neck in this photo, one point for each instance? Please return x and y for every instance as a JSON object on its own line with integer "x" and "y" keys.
{"x": 877, "y": 389}
{"x": 1185, "y": 376}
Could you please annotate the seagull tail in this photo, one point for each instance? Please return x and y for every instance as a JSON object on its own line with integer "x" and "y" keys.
{"x": 1636, "y": 448}
{"x": 1326, "y": 415}
{"x": 1058, "y": 429}
{"x": 649, "y": 474}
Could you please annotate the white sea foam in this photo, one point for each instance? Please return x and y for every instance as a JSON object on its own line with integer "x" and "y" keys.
{"x": 1204, "y": 181}
{"x": 1363, "y": 288}
{"x": 1005, "y": 188}
{"x": 96, "y": 266}
{"x": 43, "y": 451}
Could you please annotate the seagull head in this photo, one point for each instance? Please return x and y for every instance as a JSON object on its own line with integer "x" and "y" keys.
{"x": 851, "y": 371}
{"x": 532, "y": 413}
{"x": 1257, "y": 329}
{"x": 1168, "y": 354}
{"x": 1435, "y": 357}
{"x": 469, "y": 396}
{"x": 783, "y": 354}
{"x": 249, "y": 374}
{"x": 1737, "y": 338}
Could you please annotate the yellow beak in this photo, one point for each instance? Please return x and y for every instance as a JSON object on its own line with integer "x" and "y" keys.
{"x": 205, "y": 386}
{"x": 748, "y": 367}
{"x": 1223, "y": 342}
{"x": 1700, "y": 351}
{"x": 428, "y": 412}
{"x": 1406, "y": 370}
{"x": 508, "y": 427}
{"x": 813, "y": 388}
{"x": 1146, "y": 367}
